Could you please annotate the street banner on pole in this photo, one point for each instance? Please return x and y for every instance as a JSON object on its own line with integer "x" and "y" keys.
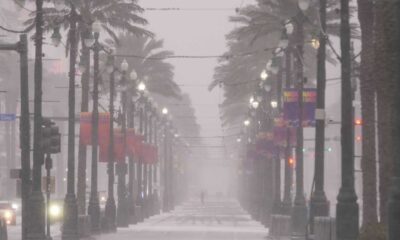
{"x": 291, "y": 107}
{"x": 85, "y": 135}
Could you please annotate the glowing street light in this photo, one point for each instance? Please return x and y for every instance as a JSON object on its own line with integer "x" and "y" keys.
{"x": 304, "y": 4}
{"x": 246, "y": 122}
{"x": 264, "y": 75}
{"x": 274, "y": 104}
{"x": 141, "y": 87}
{"x": 255, "y": 104}
{"x": 164, "y": 111}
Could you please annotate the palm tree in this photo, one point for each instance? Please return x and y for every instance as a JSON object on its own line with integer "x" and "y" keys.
{"x": 368, "y": 93}
{"x": 146, "y": 56}
{"x": 385, "y": 97}
{"x": 115, "y": 16}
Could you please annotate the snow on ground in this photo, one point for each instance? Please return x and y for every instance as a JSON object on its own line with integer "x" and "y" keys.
{"x": 215, "y": 220}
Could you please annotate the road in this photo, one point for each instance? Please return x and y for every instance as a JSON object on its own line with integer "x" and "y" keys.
{"x": 216, "y": 219}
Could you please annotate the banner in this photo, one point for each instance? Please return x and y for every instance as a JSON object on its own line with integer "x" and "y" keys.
{"x": 134, "y": 143}
{"x": 148, "y": 153}
{"x": 119, "y": 151}
{"x": 85, "y": 133}
{"x": 291, "y": 107}
{"x": 265, "y": 146}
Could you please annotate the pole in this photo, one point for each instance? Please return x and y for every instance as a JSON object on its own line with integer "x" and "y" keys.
{"x": 94, "y": 205}
{"x": 82, "y": 151}
{"x": 131, "y": 168}
{"x": 394, "y": 197}
{"x": 24, "y": 133}
{"x": 150, "y": 194}
{"x": 110, "y": 211}
{"x": 347, "y": 219}
{"x": 48, "y": 164}
{"x": 36, "y": 207}
{"x": 70, "y": 228}
{"x": 145, "y": 164}
{"x": 122, "y": 210}
{"x": 299, "y": 212}
{"x": 165, "y": 168}
{"x": 139, "y": 169}
{"x": 287, "y": 198}
{"x": 319, "y": 204}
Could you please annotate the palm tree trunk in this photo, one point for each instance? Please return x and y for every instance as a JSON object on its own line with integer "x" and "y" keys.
{"x": 82, "y": 152}
{"x": 367, "y": 88}
{"x": 384, "y": 75}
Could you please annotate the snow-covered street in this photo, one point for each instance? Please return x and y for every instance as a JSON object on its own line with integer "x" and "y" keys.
{"x": 223, "y": 219}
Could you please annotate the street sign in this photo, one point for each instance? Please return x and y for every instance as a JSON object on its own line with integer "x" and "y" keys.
{"x": 52, "y": 186}
{"x": 7, "y": 117}
{"x": 15, "y": 173}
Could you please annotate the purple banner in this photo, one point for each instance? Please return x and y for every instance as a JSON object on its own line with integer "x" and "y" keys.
{"x": 291, "y": 107}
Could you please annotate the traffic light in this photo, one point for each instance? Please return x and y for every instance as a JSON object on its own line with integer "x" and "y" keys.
{"x": 358, "y": 122}
{"x": 291, "y": 162}
{"x": 51, "y": 137}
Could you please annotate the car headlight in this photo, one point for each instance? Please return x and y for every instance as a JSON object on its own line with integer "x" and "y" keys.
{"x": 8, "y": 215}
{"x": 55, "y": 211}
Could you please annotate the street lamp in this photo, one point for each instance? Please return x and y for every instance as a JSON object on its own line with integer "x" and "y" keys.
{"x": 289, "y": 27}
{"x": 94, "y": 205}
{"x": 264, "y": 75}
{"x": 246, "y": 122}
{"x": 284, "y": 42}
{"x": 255, "y": 104}
{"x": 131, "y": 164}
{"x": 110, "y": 209}
{"x": 141, "y": 87}
{"x": 299, "y": 211}
{"x": 274, "y": 104}
{"x": 56, "y": 37}
{"x": 319, "y": 205}
{"x": 122, "y": 208}
{"x": 304, "y": 4}
{"x": 347, "y": 209}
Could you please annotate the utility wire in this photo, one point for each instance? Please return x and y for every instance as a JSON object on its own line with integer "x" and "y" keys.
{"x": 225, "y": 56}
{"x": 30, "y": 27}
{"x": 189, "y": 9}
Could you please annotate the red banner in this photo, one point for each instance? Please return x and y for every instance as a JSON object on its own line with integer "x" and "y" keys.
{"x": 148, "y": 153}
{"x": 119, "y": 151}
{"x": 134, "y": 143}
{"x": 85, "y": 135}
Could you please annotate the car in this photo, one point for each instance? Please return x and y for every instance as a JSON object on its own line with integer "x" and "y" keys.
{"x": 8, "y": 213}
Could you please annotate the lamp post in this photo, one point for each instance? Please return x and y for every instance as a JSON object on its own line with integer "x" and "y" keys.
{"x": 139, "y": 167}
{"x": 150, "y": 141}
{"x": 347, "y": 219}
{"x": 94, "y": 205}
{"x": 36, "y": 199}
{"x": 131, "y": 166}
{"x": 146, "y": 126}
{"x": 319, "y": 204}
{"x": 70, "y": 228}
{"x": 165, "y": 160}
{"x": 299, "y": 211}
{"x": 121, "y": 168}
{"x": 110, "y": 210}
{"x": 287, "y": 199}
